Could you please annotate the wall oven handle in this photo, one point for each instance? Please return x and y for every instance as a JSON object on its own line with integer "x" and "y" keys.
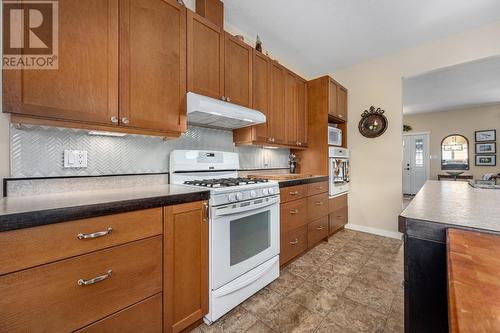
{"x": 272, "y": 201}
{"x": 95, "y": 234}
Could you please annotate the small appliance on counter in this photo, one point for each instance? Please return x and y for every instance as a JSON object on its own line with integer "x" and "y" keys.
{"x": 334, "y": 136}
{"x": 293, "y": 162}
{"x": 338, "y": 170}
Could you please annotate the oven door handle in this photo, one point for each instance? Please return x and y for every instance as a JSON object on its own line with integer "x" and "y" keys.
{"x": 238, "y": 210}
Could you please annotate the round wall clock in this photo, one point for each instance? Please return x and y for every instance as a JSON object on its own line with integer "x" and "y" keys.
{"x": 373, "y": 123}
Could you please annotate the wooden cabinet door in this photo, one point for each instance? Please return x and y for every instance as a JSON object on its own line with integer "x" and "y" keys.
{"x": 205, "y": 56}
{"x": 291, "y": 108}
{"x": 302, "y": 120}
{"x": 332, "y": 98}
{"x": 185, "y": 287}
{"x": 153, "y": 65}
{"x": 342, "y": 103}
{"x": 261, "y": 92}
{"x": 85, "y": 86}
{"x": 237, "y": 71}
{"x": 277, "y": 108}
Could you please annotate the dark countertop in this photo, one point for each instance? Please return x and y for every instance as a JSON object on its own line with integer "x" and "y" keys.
{"x": 32, "y": 211}
{"x": 302, "y": 181}
{"x": 448, "y": 204}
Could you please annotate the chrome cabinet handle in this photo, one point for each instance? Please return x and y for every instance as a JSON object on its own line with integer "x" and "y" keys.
{"x": 341, "y": 116}
{"x": 224, "y": 98}
{"x": 339, "y": 216}
{"x": 95, "y": 234}
{"x": 295, "y": 211}
{"x": 319, "y": 228}
{"x": 320, "y": 203}
{"x": 114, "y": 119}
{"x": 228, "y": 99}
{"x": 295, "y": 242}
{"x": 294, "y": 193}
{"x": 125, "y": 120}
{"x": 207, "y": 212}
{"x": 319, "y": 187}
{"x": 84, "y": 283}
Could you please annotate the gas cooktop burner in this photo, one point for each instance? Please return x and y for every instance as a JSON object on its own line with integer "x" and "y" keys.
{"x": 225, "y": 182}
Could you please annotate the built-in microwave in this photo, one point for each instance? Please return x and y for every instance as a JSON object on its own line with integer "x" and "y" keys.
{"x": 334, "y": 136}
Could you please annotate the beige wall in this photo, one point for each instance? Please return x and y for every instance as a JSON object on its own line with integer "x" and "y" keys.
{"x": 376, "y": 186}
{"x": 464, "y": 122}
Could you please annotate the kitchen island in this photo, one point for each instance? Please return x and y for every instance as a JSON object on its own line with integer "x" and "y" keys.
{"x": 436, "y": 208}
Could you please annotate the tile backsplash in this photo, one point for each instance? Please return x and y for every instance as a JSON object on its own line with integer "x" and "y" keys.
{"x": 37, "y": 151}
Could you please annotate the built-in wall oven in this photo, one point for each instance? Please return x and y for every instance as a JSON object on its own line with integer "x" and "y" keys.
{"x": 339, "y": 170}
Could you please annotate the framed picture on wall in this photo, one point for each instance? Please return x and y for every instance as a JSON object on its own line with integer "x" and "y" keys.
{"x": 488, "y": 135}
{"x": 486, "y": 160}
{"x": 486, "y": 148}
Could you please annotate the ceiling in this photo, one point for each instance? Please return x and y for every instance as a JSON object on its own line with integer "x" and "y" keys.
{"x": 319, "y": 36}
{"x": 470, "y": 84}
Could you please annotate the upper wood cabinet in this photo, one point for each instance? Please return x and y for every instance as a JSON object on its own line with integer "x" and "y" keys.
{"x": 277, "y": 120}
{"x": 261, "y": 92}
{"x": 122, "y": 67}
{"x": 238, "y": 71}
{"x": 85, "y": 86}
{"x": 337, "y": 101}
{"x": 301, "y": 112}
{"x": 186, "y": 265}
{"x": 205, "y": 56}
{"x": 152, "y": 64}
{"x": 291, "y": 108}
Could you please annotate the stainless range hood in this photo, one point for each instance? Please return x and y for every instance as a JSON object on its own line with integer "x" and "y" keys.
{"x": 211, "y": 112}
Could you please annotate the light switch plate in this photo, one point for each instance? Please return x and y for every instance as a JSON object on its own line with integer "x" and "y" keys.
{"x": 75, "y": 158}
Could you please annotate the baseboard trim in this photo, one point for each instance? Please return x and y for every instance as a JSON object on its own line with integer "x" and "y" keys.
{"x": 375, "y": 231}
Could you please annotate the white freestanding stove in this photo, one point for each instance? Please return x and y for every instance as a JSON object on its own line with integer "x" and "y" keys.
{"x": 244, "y": 226}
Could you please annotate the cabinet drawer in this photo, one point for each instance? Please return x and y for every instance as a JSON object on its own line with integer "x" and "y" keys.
{"x": 53, "y": 297}
{"x": 317, "y": 206}
{"x": 317, "y": 188}
{"x": 337, "y": 220}
{"x": 30, "y": 247}
{"x": 293, "y": 243}
{"x": 293, "y": 193}
{"x": 337, "y": 203}
{"x": 144, "y": 317}
{"x": 293, "y": 214}
{"x": 316, "y": 231}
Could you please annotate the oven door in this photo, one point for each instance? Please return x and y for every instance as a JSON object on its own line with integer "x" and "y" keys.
{"x": 339, "y": 176}
{"x": 243, "y": 236}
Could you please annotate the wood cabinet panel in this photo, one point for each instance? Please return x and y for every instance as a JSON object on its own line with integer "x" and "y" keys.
{"x": 332, "y": 98}
{"x": 317, "y": 188}
{"x": 342, "y": 103}
{"x": 277, "y": 108}
{"x": 292, "y": 244}
{"x": 30, "y": 247}
{"x": 317, "y": 206}
{"x": 85, "y": 86}
{"x": 205, "y": 56}
{"x": 337, "y": 219}
{"x": 186, "y": 265}
{"x": 291, "y": 108}
{"x": 238, "y": 71}
{"x": 153, "y": 65}
{"x": 293, "y": 214}
{"x": 337, "y": 203}
{"x": 144, "y": 317}
{"x": 136, "y": 274}
{"x": 261, "y": 92}
{"x": 293, "y": 193}
{"x": 316, "y": 231}
{"x": 213, "y": 10}
{"x": 301, "y": 113}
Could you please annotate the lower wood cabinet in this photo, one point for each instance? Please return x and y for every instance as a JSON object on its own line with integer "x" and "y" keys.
{"x": 61, "y": 296}
{"x": 337, "y": 213}
{"x": 144, "y": 317}
{"x": 317, "y": 206}
{"x": 293, "y": 214}
{"x": 292, "y": 244}
{"x": 316, "y": 231}
{"x": 186, "y": 265}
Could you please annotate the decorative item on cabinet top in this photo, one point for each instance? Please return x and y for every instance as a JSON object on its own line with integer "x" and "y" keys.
{"x": 373, "y": 123}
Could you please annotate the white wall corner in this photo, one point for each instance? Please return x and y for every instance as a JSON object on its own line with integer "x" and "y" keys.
{"x": 374, "y": 231}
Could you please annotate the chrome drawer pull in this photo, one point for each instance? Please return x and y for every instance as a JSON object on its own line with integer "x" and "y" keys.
{"x": 295, "y": 211}
{"x": 319, "y": 228}
{"x": 339, "y": 217}
{"x": 95, "y": 234}
{"x": 294, "y": 193}
{"x": 320, "y": 203}
{"x": 319, "y": 187}
{"x": 84, "y": 283}
{"x": 295, "y": 242}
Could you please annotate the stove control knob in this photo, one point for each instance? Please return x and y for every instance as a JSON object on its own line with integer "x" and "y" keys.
{"x": 239, "y": 196}
{"x": 231, "y": 197}
{"x": 265, "y": 191}
{"x": 253, "y": 194}
{"x": 271, "y": 191}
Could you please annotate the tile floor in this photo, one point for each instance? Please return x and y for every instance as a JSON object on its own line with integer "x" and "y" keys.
{"x": 353, "y": 283}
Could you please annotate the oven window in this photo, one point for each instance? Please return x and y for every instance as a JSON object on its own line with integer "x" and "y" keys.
{"x": 249, "y": 236}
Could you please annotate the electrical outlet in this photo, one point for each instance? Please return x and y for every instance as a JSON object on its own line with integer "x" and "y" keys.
{"x": 75, "y": 158}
